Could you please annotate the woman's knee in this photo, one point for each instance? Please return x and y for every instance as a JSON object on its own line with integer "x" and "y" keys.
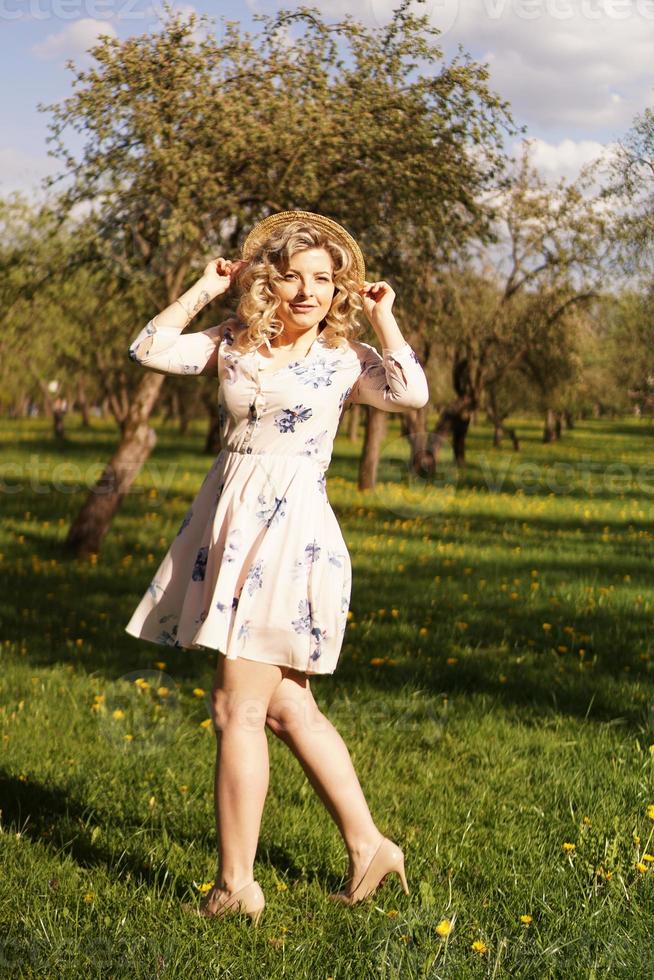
{"x": 293, "y": 708}
{"x": 241, "y": 693}
{"x": 230, "y": 711}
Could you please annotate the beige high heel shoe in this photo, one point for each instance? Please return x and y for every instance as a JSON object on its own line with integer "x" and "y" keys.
{"x": 387, "y": 858}
{"x": 248, "y": 899}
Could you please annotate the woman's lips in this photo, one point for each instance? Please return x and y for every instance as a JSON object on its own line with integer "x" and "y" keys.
{"x": 302, "y": 309}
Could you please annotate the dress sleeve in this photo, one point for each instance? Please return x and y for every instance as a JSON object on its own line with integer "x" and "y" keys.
{"x": 167, "y": 351}
{"x": 393, "y": 381}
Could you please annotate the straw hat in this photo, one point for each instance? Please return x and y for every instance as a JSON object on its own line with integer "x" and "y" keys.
{"x": 265, "y": 228}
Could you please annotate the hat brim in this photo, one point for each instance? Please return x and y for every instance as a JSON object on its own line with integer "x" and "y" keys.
{"x": 274, "y": 222}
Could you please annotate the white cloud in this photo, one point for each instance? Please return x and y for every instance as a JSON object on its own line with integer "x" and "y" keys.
{"x": 566, "y": 66}
{"x": 588, "y": 72}
{"x": 74, "y": 41}
{"x": 563, "y": 159}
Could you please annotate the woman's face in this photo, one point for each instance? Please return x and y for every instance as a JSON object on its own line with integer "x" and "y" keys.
{"x": 306, "y": 289}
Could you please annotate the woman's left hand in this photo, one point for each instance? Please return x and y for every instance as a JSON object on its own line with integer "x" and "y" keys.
{"x": 377, "y": 298}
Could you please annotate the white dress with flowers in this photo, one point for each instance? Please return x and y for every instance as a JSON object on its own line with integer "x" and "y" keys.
{"x": 259, "y": 568}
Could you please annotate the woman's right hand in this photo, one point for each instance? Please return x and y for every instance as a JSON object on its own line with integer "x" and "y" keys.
{"x": 219, "y": 274}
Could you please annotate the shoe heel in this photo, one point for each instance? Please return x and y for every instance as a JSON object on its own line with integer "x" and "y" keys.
{"x": 255, "y": 916}
{"x": 402, "y": 874}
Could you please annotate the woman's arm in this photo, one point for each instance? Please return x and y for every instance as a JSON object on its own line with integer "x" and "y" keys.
{"x": 161, "y": 348}
{"x": 395, "y": 380}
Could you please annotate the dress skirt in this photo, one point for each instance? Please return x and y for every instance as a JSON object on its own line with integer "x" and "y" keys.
{"x": 258, "y": 569}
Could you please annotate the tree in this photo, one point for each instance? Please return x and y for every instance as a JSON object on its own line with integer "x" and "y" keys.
{"x": 189, "y": 143}
{"x": 514, "y": 310}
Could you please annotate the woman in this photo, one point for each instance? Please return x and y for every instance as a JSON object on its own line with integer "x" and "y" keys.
{"x": 259, "y": 569}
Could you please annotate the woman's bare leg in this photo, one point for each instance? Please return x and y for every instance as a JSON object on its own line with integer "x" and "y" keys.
{"x": 295, "y": 718}
{"x": 240, "y": 696}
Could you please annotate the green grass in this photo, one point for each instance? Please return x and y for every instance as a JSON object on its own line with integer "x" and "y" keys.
{"x": 495, "y": 689}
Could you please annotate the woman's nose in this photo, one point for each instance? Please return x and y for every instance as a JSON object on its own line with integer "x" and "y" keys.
{"x": 305, "y": 289}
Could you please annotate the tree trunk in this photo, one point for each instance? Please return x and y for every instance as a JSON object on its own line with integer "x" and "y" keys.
{"x": 375, "y": 430}
{"x": 83, "y": 405}
{"x": 414, "y": 427}
{"x": 182, "y": 416}
{"x": 170, "y": 407}
{"x": 455, "y": 420}
{"x": 549, "y": 432}
{"x": 138, "y": 440}
{"x": 353, "y": 422}
{"x": 500, "y": 430}
{"x": 569, "y": 419}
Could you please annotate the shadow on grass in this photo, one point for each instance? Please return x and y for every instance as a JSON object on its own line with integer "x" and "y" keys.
{"x": 55, "y": 820}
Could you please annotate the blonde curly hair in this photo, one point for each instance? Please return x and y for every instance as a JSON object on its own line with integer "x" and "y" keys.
{"x": 258, "y": 303}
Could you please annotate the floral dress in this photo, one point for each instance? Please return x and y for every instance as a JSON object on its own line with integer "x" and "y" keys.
{"x": 259, "y": 568}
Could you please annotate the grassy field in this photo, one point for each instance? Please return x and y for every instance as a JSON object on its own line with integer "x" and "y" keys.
{"x": 496, "y": 690}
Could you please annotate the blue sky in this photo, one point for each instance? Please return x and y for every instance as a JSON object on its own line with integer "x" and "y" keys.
{"x": 575, "y": 71}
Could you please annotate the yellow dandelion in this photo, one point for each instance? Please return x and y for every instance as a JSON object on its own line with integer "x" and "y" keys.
{"x": 98, "y": 698}
{"x": 198, "y": 692}
{"x": 650, "y": 811}
{"x": 392, "y": 913}
{"x": 183, "y": 788}
{"x": 118, "y": 714}
{"x": 206, "y": 723}
{"x": 205, "y": 887}
{"x": 526, "y": 919}
{"x": 567, "y": 846}
{"x": 160, "y": 664}
{"x": 547, "y": 626}
{"x": 128, "y": 738}
{"x": 423, "y": 631}
{"x": 163, "y": 692}
{"x": 642, "y": 867}
{"x": 586, "y": 821}
{"x": 479, "y": 947}
{"x": 376, "y": 661}
{"x": 648, "y": 857}
{"x": 444, "y": 927}
{"x": 89, "y": 896}
{"x": 562, "y": 649}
